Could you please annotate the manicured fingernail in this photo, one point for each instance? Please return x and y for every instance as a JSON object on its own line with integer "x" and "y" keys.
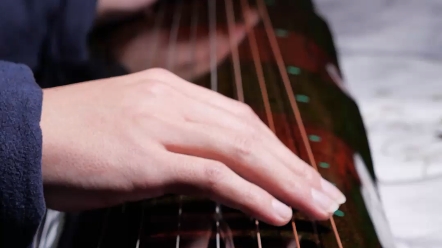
{"x": 284, "y": 212}
{"x": 333, "y": 192}
{"x": 324, "y": 202}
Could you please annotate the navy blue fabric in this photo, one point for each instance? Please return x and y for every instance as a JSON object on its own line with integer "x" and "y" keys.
{"x": 21, "y": 197}
{"x": 37, "y": 31}
{"x": 35, "y": 36}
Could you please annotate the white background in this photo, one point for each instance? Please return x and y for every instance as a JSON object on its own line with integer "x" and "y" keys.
{"x": 391, "y": 54}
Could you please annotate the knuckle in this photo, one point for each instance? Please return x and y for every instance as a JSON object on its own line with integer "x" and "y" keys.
{"x": 155, "y": 88}
{"x": 244, "y": 145}
{"x": 304, "y": 171}
{"x": 250, "y": 196}
{"x": 313, "y": 175}
{"x": 308, "y": 173}
{"x": 297, "y": 186}
{"x": 213, "y": 174}
{"x": 246, "y": 110}
{"x": 157, "y": 72}
{"x": 139, "y": 99}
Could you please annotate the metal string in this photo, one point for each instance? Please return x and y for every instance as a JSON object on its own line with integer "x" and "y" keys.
{"x": 170, "y": 66}
{"x": 258, "y": 67}
{"x": 261, "y": 80}
{"x": 234, "y": 49}
{"x": 192, "y": 52}
{"x": 213, "y": 45}
{"x": 157, "y": 29}
{"x": 279, "y": 59}
{"x": 237, "y": 72}
{"x": 158, "y": 23}
{"x": 214, "y": 86}
{"x": 174, "y": 36}
{"x": 194, "y": 35}
{"x": 159, "y": 19}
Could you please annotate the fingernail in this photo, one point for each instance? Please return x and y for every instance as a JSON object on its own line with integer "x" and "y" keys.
{"x": 283, "y": 211}
{"x": 324, "y": 202}
{"x": 333, "y": 192}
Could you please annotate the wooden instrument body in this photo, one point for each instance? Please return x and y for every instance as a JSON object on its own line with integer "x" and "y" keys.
{"x": 332, "y": 122}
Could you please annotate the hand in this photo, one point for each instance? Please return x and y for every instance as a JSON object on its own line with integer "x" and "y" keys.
{"x": 110, "y": 7}
{"x": 151, "y": 133}
{"x": 131, "y": 44}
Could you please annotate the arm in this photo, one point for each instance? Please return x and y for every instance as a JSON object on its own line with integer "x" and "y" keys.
{"x": 22, "y": 203}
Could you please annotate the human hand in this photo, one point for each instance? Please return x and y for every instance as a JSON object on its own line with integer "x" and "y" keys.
{"x": 110, "y": 7}
{"x": 151, "y": 133}
{"x": 132, "y": 46}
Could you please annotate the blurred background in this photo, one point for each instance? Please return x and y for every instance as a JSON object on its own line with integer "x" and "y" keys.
{"x": 391, "y": 55}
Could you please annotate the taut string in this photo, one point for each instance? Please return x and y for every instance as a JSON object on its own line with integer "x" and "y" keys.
{"x": 159, "y": 19}
{"x": 234, "y": 49}
{"x": 281, "y": 66}
{"x": 157, "y": 29}
{"x": 174, "y": 36}
{"x": 192, "y": 52}
{"x": 237, "y": 72}
{"x": 170, "y": 66}
{"x": 214, "y": 86}
{"x": 261, "y": 80}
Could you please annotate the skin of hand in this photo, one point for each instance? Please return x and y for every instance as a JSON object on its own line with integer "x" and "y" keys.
{"x": 111, "y": 7}
{"x": 130, "y": 45}
{"x": 152, "y": 133}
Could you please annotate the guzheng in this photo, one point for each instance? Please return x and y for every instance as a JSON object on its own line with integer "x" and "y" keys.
{"x": 287, "y": 70}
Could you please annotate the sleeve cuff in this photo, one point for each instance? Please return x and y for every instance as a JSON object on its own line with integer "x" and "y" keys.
{"x": 22, "y": 204}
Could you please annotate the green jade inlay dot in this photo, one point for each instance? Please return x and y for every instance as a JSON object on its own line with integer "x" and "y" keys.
{"x": 324, "y": 165}
{"x": 314, "y": 138}
{"x": 281, "y": 32}
{"x": 293, "y": 70}
{"x": 302, "y": 98}
{"x": 339, "y": 213}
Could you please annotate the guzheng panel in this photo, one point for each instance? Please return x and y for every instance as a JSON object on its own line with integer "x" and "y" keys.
{"x": 332, "y": 123}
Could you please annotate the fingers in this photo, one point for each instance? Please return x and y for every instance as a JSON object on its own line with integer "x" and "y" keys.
{"x": 193, "y": 175}
{"x": 249, "y": 158}
{"x": 248, "y": 150}
{"x": 248, "y": 123}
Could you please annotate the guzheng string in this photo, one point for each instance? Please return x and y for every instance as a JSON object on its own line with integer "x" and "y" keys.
{"x": 213, "y": 45}
{"x": 286, "y": 81}
{"x": 214, "y": 86}
{"x": 238, "y": 82}
{"x": 174, "y": 36}
{"x": 234, "y": 50}
{"x": 194, "y": 34}
{"x": 170, "y": 66}
{"x": 259, "y": 71}
{"x": 261, "y": 81}
{"x": 159, "y": 19}
{"x": 237, "y": 72}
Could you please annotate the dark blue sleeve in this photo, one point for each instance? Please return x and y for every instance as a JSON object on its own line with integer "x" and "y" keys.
{"x": 69, "y": 29}
{"x": 22, "y": 204}
{"x": 42, "y": 33}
